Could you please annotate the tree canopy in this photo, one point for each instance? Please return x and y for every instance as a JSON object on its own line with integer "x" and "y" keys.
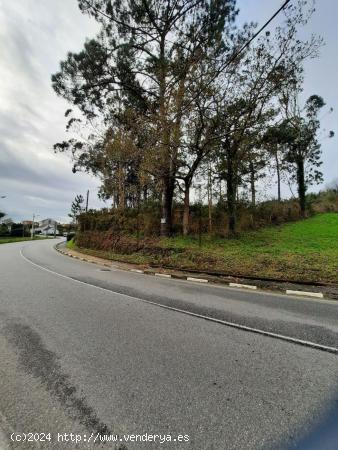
{"x": 162, "y": 100}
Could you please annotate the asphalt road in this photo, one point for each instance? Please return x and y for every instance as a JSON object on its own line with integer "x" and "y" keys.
{"x": 76, "y": 358}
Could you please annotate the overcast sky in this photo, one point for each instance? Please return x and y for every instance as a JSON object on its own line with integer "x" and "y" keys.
{"x": 35, "y": 35}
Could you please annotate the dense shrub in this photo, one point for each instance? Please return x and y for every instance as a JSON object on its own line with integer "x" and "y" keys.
{"x": 70, "y": 236}
{"x": 121, "y": 243}
{"x": 325, "y": 201}
{"x": 144, "y": 222}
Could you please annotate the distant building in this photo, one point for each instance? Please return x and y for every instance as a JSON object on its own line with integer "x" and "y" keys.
{"x": 29, "y": 222}
{"x": 47, "y": 227}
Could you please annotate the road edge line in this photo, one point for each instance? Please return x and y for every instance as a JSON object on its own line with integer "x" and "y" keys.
{"x": 318, "y": 295}
{"x": 278, "y": 336}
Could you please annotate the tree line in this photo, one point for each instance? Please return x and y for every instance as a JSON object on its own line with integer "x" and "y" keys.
{"x": 169, "y": 95}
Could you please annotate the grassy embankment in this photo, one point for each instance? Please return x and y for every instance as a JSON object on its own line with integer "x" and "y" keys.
{"x": 71, "y": 244}
{"x": 9, "y": 240}
{"x": 306, "y": 250}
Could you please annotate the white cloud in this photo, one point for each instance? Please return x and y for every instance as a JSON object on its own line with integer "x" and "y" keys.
{"x": 34, "y": 36}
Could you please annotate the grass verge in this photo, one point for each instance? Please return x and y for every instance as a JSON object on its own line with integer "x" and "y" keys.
{"x": 306, "y": 250}
{"x": 71, "y": 244}
{"x": 9, "y": 240}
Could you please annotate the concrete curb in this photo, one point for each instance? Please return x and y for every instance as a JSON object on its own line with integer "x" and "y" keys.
{"x": 282, "y": 287}
{"x": 199, "y": 280}
{"x": 305, "y": 293}
{"x": 243, "y": 286}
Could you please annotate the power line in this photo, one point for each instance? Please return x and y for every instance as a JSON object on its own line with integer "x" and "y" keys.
{"x": 244, "y": 46}
{"x": 234, "y": 56}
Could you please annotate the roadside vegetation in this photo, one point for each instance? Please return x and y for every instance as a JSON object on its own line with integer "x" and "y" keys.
{"x": 71, "y": 244}
{"x": 169, "y": 104}
{"x": 9, "y": 239}
{"x": 192, "y": 133}
{"x": 305, "y": 250}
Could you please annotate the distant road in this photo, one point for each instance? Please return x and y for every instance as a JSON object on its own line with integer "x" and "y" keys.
{"x": 88, "y": 351}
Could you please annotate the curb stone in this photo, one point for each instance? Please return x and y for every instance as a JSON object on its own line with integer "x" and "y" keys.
{"x": 199, "y": 280}
{"x": 328, "y": 292}
{"x": 243, "y": 286}
{"x": 304, "y": 293}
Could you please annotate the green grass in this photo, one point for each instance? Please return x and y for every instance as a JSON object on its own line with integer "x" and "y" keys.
{"x": 9, "y": 240}
{"x": 306, "y": 250}
{"x": 71, "y": 244}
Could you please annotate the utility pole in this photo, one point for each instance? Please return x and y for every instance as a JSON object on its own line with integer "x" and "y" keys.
{"x": 32, "y": 231}
{"x": 32, "y": 235}
{"x": 87, "y": 200}
{"x": 209, "y": 198}
{"x": 200, "y": 215}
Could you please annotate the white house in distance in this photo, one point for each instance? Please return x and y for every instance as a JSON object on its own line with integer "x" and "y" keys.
{"x": 47, "y": 227}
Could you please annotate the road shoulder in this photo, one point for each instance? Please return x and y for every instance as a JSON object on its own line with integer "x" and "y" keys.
{"x": 325, "y": 291}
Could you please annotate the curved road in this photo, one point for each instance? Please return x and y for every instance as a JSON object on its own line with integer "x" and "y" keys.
{"x": 76, "y": 358}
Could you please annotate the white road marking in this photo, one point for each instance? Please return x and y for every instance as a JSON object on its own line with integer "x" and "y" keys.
{"x": 225, "y": 285}
{"x": 189, "y": 313}
{"x": 163, "y": 275}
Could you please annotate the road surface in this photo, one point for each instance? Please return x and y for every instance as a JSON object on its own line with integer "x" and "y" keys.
{"x": 91, "y": 351}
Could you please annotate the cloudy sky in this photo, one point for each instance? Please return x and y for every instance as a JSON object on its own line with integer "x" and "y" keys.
{"x": 34, "y": 36}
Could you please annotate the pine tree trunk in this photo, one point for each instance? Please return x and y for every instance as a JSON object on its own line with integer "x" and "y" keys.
{"x": 186, "y": 210}
{"x": 167, "y": 192}
{"x": 231, "y": 197}
{"x": 301, "y": 186}
{"x": 145, "y": 193}
{"x": 121, "y": 181}
{"x": 252, "y": 184}
{"x": 167, "y": 201}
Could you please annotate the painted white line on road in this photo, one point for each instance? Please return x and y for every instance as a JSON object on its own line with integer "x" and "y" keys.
{"x": 201, "y": 316}
{"x": 225, "y": 285}
{"x": 305, "y": 294}
{"x": 199, "y": 280}
{"x": 245, "y": 286}
{"x": 236, "y": 285}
